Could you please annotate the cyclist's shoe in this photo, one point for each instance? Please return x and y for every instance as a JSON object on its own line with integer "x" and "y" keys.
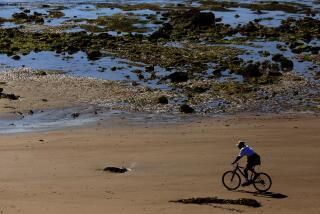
{"x": 247, "y": 183}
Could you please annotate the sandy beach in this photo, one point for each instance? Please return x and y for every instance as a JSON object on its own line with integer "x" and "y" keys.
{"x": 136, "y": 106}
{"x": 61, "y": 171}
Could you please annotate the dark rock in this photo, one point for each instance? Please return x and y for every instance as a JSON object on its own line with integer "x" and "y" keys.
{"x": 16, "y": 57}
{"x": 56, "y": 14}
{"x": 250, "y": 27}
{"x": 115, "y": 169}
{"x": 195, "y": 19}
{"x": 9, "y": 96}
{"x": 93, "y": 54}
{"x": 21, "y": 15}
{"x": 178, "y": 77}
{"x": 1, "y": 90}
{"x": 252, "y": 70}
{"x": 186, "y": 109}
{"x": 164, "y": 32}
{"x": 286, "y": 64}
{"x": 200, "y": 89}
{"x": 218, "y": 19}
{"x": 39, "y": 20}
{"x": 26, "y": 11}
{"x": 277, "y": 57}
{"x": 140, "y": 76}
{"x": 134, "y": 83}
{"x": 149, "y": 68}
{"x": 75, "y": 115}
{"x": 163, "y": 100}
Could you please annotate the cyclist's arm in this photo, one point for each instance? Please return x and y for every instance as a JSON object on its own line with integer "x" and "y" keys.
{"x": 237, "y": 159}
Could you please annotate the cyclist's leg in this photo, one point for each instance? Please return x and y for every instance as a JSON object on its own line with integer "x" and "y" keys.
{"x": 249, "y": 167}
{"x": 245, "y": 171}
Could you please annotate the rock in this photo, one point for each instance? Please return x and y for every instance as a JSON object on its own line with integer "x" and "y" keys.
{"x": 1, "y": 90}
{"x": 163, "y": 100}
{"x": 134, "y": 83}
{"x": 178, "y": 77}
{"x": 200, "y": 89}
{"x": 140, "y": 76}
{"x": 93, "y": 54}
{"x": 186, "y": 109}
{"x": 16, "y": 57}
{"x": 163, "y": 32}
{"x": 39, "y": 20}
{"x": 218, "y": 19}
{"x": 252, "y": 70}
{"x": 149, "y": 68}
{"x": 9, "y": 96}
{"x": 115, "y": 169}
{"x": 195, "y": 19}
{"x": 250, "y": 27}
{"x": 286, "y": 64}
{"x": 56, "y": 14}
{"x": 75, "y": 115}
{"x": 21, "y": 15}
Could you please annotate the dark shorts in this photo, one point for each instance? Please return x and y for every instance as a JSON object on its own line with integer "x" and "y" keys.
{"x": 253, "y": 160}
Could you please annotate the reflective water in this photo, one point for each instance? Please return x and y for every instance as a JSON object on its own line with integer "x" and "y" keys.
{"x": 109, "y": 67}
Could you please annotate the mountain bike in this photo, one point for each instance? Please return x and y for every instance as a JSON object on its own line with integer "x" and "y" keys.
{"x": 232, "y": 180}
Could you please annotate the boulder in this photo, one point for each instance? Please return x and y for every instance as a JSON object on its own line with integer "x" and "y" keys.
{"x": 252, "y": 70}
{"x": 16, "y": 57}
{"x": 195, "y": 19}
{"x": 93, "y": 54}
{"x": 21, "y": 15}
{"x": 163, "y": 100}
{"x": 186, "y": 109}
{"x": 178, "y": 77}
{"x": 286, "y": 64}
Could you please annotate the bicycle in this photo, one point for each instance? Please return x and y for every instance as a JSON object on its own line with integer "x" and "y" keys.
{"x": 232, "y": 180}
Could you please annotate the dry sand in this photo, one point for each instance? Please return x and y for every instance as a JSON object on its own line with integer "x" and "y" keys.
{"x": 60, "y": 171}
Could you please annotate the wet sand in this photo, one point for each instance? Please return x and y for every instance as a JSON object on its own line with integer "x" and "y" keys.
{"x": 60, "y": 171}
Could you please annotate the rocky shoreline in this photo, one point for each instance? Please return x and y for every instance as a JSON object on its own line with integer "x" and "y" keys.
{"x": 34, "y": 91}
{"x": 192, "y": 61}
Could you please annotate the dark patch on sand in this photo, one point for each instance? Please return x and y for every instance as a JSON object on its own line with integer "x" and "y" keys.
{"x": 214, "y": 200}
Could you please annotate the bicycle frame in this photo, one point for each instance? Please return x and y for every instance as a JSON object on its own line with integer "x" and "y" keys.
{"x": 238, "y": 168}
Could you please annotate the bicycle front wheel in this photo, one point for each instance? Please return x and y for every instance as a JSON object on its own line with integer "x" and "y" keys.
{"x": 262, "y": 182}
{"x": 231, "y": 180}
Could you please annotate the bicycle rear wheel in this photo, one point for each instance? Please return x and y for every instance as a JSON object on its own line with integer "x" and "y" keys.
{"x": 262, "y": 182}
{"x": 231, "y": 180}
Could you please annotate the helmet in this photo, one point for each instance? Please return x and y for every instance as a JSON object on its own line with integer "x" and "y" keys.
{"x": 240, "y": 144}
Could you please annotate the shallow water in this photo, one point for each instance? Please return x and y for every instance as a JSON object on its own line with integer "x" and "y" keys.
{"x": 109, "y": 67}
{"x": 55, "y": 119}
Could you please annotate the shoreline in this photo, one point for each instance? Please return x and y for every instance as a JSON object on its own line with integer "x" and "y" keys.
{"x": 47, "y": 101}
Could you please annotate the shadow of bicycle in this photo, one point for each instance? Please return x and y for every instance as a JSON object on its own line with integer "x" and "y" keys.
{"x": 265, "y": 194}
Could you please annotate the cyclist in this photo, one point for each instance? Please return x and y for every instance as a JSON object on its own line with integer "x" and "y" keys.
{"x": 253, "y": 159}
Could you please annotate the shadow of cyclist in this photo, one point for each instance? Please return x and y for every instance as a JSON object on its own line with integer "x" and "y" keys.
{"x": 264, "y": 194}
